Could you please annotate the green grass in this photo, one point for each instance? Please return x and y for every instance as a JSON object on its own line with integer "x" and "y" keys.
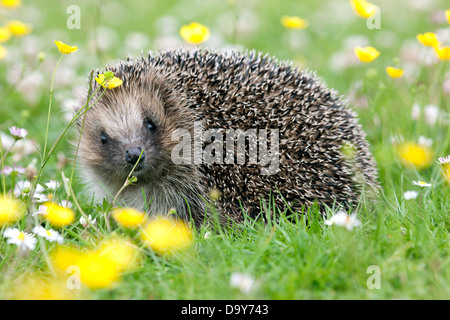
{"x": 290, "y": 259}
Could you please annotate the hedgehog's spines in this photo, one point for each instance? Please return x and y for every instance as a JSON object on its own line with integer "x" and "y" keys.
{"x": 255, "y": 90}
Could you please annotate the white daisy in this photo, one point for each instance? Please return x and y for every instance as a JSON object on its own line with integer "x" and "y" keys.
{"x": 444, "y": 160}
{"x": 409, "y": 195}
{"x": 51, "y": 235}
{"x": 18, "y": 133}
{"x": 66, "y": 204}
{"x": 341, "y": 218}
{"x": 424, "y": 141}
{"x": 86, "y": 223}
{"x": 42, "y": 211}
{"x": 23, "y": 240}
{"x": 431, "y": 114}
{"x": 23, "y": 188}
{"x": 243, "y": 282}
{"x": 422, "y": 184}
{"x": 52, "y": 185}
{"x": 9, "y": 170}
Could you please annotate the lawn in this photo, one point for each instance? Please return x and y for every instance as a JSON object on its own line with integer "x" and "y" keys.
{"x": 398, "y": 244}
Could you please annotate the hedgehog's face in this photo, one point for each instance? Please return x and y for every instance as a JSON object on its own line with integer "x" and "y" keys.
{"x": 128, "y": 129}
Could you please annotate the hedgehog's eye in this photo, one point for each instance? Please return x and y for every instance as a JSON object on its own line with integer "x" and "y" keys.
{"x": 104, "y": 138}
{"x": 149, "y": 125}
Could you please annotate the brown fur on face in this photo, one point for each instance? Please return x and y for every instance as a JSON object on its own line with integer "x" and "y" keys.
{"x": 226, "y": 91}
{"x": 120, "y": 115}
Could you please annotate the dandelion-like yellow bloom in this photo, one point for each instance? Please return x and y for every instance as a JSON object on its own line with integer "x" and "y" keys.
{"x": 129, "y": 217}
{"x": 447, "y": 15}
{"x": 65, "y": 48}
{"x": 11, "y": 210}
{"x": 415, "y": 155}
{"x": 394, "y": 72}
{"x": 95, "y": 270}
{"x": 3, "y": 52}
{"x": 57, "y": 215}
{"x": 166, "y": 235}
{"x": 5, "y": 34}
{"x": 11, "y": 3}
{"x": 18, "y": 28}
{"x": 443, "y": 53}
{"x": 366, "y": 54}
{"x": 294, "y": 22}
{"x": 363, "y": 8}
{"x": 121, "y": 253}
{"x": 428, "y": 39}
{"x": 108, "y": 83}
{"x": 38, "y": 288}
{"x": 62, "y": 257}
{"x": 194, "y": 33}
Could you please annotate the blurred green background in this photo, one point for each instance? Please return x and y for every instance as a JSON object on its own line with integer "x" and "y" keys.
{"x": 387, "y": 108}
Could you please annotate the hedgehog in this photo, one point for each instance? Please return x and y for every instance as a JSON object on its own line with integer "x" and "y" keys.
{"x": 178, "y": 119}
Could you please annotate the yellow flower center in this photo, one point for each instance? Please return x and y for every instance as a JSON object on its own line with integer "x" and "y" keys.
{"x": 21, "y": 236}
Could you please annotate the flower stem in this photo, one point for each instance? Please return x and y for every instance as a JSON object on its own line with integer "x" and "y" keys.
{"x": 2, "y": 167}
{"x": 82, "y": 110}
{"x": 50, "y": 106}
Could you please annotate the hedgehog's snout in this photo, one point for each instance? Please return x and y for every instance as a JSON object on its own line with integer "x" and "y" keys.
{"x": 133, "y": 154}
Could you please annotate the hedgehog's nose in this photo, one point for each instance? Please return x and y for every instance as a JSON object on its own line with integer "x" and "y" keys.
{"x": 132, "y": 155}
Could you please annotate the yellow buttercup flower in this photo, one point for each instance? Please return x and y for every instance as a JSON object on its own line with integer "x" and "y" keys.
{"x": 94, "y": 269}
{"x": 121, "y": 252}
{"x": 3, "y": 52}
{"x": 11, "y": 3}
{"x": 415, "y": 155}
{"x": 39, "y": 288}
{"x": 11, "y": 210}
{"x": 366, "y": 54}
{"x": 62, "y": 257}
{"x": 108, "y": 83}
{"x": 128, "y": 217}
{"x": 194, "y": 33}
{"x": 166, "y": 235}
{"x": 394, "y": 72}
{"x": 57, "y": 215}
{"x": 428, "y": 39}
{"x": 5, "y": 34}
{"x": 18, "y": 28}
{"x": 443, "y": 53}
{"x": 363, "y": 8}
{"x": 97, "y": 271}
{"x": 294, "y": 22}
{"x": 447, "y": 15}
{"x": 65, "y": 48}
